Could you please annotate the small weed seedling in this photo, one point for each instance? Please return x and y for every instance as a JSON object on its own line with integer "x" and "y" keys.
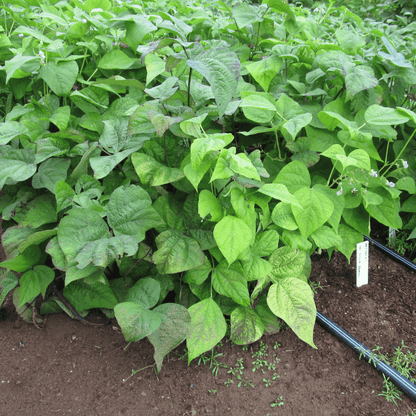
{"x": 213, "y": 392}
{"x": 245, "y": 382}
{"x": 278, "y": 402}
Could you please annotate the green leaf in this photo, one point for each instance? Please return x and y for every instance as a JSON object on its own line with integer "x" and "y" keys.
{"x": 12, "y": 238}
{"x": 213, "y": 142}
{"x": 16, "y": 164}
{"x": 175, "y": 326}
{"x": 129, "y": 212}
{"x": 58, "y": 257}
{"x": 11, "y": 129}
{"x": 258, "y": 108}
{"x": 246, "y": 326}
{"x": 7, "y": 283}
{"x": 135, "y": 321}
{"x": 349, "y": 41}
{"x": 317, "y": 209}
{"x": 387, "y": 212}
{"x": 265, "y": 70}
{"x": 266, "y": 243}
{"x": 137, "y": 30}
{"x": 255, "y": 268}
{"x": 36, "y": 239}
{"x": 35, "y": 282}
{"x": 325, "y": 237}
{"x": 49, "y": 173}
{"x": 104, "y": 251}
{"x": 154, "y": 66}
{"x": 245, "y": 14}
{"x": 41, "y": 210}
{"x": 280, "y": 192}
{"x": 154, "y": 173}
{"x": 283, "y": 217}
{"x": 115, "y": 59}
{"x": 230, "y": 281}
{"x": 292, "y": 127}
{"x": 269, "y": 319}
{"x": 64, "y": 195}
{"x": 384, "y": 116}
{"x": 350, "y": 239}
{"x": 243, "y": 166}
{"x": 177, "y": 253}
{"x": 145, "y": 292}
{"x": 23, "y": 261}
{"x": 199, "y": 274}
{"x": 60, "y": 76}
{"x": 50, "y": 147}
{"x": 292, "y": 300}
{"x": 83, "y": 296}
{"x": 294, "y": 176}
{"x": 208, "y": 204}
{"x": 79, "y": 228}
{"x": 193, "y": 125}
{"x": 286, "y": 262}
{"x": 233, "y": 236}
{"x": 208, "y": 327}
{"x": 221, "y": 68}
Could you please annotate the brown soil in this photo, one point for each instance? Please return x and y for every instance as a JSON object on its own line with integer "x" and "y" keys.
{"x": 68, "y": 368}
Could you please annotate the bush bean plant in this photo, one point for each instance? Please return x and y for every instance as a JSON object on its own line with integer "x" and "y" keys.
{"x": 176, "y": 163}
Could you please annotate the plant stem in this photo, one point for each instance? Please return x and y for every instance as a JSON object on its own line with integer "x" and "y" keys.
{"x": 189, "y": 87}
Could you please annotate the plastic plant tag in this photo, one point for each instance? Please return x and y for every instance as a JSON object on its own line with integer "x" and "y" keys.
{"x": 362, "y": 263}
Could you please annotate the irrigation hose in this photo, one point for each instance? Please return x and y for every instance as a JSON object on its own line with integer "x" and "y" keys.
{"x": 391, "y": 253}
{"x": 401, "y": 382}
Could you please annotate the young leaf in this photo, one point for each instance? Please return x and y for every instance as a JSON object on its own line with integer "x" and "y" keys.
{"x": 208, "y": 327}
{"x": 292, "y": 300}
{"x": 246, "y": 326}
{"x": 208, "y": 204}
{"x": 177, "y": 253}
{"x": 135, "y": 321}
{"x": 233, "y": 236}
{"x": 175, "y": 326}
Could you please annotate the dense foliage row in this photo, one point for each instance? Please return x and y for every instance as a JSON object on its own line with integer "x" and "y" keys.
{"x": 201, "y": 149}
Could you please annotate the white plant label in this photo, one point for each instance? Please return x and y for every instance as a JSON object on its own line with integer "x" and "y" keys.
{"x": 362, "y": 263}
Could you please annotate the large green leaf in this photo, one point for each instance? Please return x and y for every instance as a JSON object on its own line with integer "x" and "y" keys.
{"x": 286, "y": 262}
{"x": 280, "y": 192}
{"x": 80, "y": 227}
{"x": 104, "y": 251}
{"x": 233, "y": 236}
{"x": 246, "y": 326}
{"x": 387, "y": 212}
{"x": 384, "y": 116}
{"x": 135, "y": 321}
{"x": 245, "y": 14}
{"x": 258, "y": 108}
{"x": 23, "y": 261}
{"x": 317, "y": 209}
{"x": 350, "y": 238}
{"x": 11, "y": 129}
{"x": 60, "y": 76}
{"x": 221, "y": 68}
{"x": 40, "y": 211}
{"x": 231, "y": 282}
{"x": 292, "y": 300}
{"x": 177, "y": 253}
{"x": 16, "y": 164}
{"x": 115, "y": 59}
{"x": 359, "y": 78}
{"x": 129, "y": 212}
{"x": 208, "y": 327}
{"x": 152, "y": 172}
{"x": 265, "y": 70}
{"x": 145, "y": 292}
{"x": 8, "y": 281}
{"x": 208, "y": 204}
{"x": 36, "y": 239}
{"x": 50, "y": 147}
{"x": 175, "y": 326}
{"x": 294, "y": 175}
{"x": 49, "y": 173}
{"x": 35, "y": 282}
{"x": 84, "y": 296}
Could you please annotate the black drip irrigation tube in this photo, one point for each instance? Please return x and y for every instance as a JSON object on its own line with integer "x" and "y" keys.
{"x": 404, "y": 384}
